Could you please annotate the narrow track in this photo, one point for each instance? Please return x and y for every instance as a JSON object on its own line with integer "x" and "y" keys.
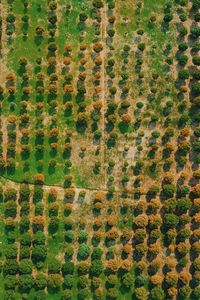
{"x": 61, "y": 187}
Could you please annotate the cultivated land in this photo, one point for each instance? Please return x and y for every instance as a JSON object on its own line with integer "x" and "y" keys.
{"x": 99, "y": 149}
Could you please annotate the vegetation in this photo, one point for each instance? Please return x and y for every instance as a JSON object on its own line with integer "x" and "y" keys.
{"x": 99, "y": 149}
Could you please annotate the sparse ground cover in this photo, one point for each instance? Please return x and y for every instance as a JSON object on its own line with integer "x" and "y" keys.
{"x": 100, "y": 151}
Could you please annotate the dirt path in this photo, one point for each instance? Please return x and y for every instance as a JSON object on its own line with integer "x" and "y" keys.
{"x": 3, "y": 51}
{"x": 60, "y": 188}
{"x": 103, "y": 85}
{"x": 5, "y": 138}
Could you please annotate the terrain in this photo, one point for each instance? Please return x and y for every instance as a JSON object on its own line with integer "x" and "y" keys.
{"x": 99, "y": 149}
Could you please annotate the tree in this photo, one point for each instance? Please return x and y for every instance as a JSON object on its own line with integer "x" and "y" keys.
{"x": 39, "y": 178}
{"x": 96, "y": 267}
{"x": 113, "y": 266}
{"x": 40, "y": 281}
{"x": 170, "y": 220}
{"x": 184, "y": 74}
{"x": 25, "y": 282}
{"x": 195, "y": 88}
{"x": 53, "y": 224}
{"x": 168, "y": 190}
{"x": 68, "y": 268}
{"x": 141, "y": 221}
{"x": 196, "y": 60}
{"x": 141, "y": 293}
{"x": 10, "y": 267}
{"x": 11, "y": 251}
{"x": 196, "y": 292}
{"x": 112, "y": 293}
{"x": 185, "y": 292}
{"x": 66, "y": 295}
{"x": 98, "y": 47}
{"x": 25, "y": 266}
{"x": 171, "y": 279}
{"x": 97, "y": 253}
{"x": 39, "y": 30}
{"x": 54, "y": 281}
{"x": 10, "y": 282}
{"x": 112, "y": 280}
{"x": 168, "y": 17}
{"x": 83, "y": 268}
{"x": 83, "y": 251}
{"x": 157, "y": 293}
{"x": 39, "y": 238}
{"x": 9, "y": 295}
{"x": 39, "y": 252}
{"x": 40, "y": 295}
{"x": 98, "y": 3}
{"x": 127, "y": 280}
{"x": 156, "y": 279}
{"x": 183, "y": 205}
{"x": 185, "y": 277}
{"x": 54, "y": 266}
{"x": 195, "y": 31}
{"x": 69, "y": 281}
{"x": 196, "y": 264}
{"x": 69, "y": 251}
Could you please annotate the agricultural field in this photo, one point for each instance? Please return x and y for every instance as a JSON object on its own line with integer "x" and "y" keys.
{"x": 99, "y": 150}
